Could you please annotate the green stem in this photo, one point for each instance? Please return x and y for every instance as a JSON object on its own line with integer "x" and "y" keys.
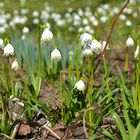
{"x": 90, "y": 113}
{"x": 10, "y": 76}
{"x": 83, "y": 65}
{"x": 77, "y": 64}
{"x": 89, "y": 64}
{"x": 90, "y": 91}
{"x": 39, "y": 66}
{"x": 106, "y": 72}
{"x": 126, "y": 60}
{"x": 61, "y": 95}
{"x": 5, "y": 78}
{"x": 137, "y": 86}
{"x": 4, "y": 120}
{"x": 70, "y": 67}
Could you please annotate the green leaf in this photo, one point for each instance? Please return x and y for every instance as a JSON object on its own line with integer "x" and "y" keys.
{"x": 108, "y": 134}
{"x": 137, "y": 133}
{"x": 120, "y": 125}
{"x": 128, "y": 123}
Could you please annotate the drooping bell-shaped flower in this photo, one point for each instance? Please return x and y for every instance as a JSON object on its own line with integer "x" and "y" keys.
{"x": 87, "y": 51}
{"x": 8, "y": 50}
{"x": 46, "y": 36}
{"x": 85, "y": 39}
{"x": 56, "y": 55}
{"x": 80, "y": 85}
{"x": 137, "y": 51}
{"x": 15, "y": 65}
{"x": 1, "y": 43}
{"x": 129, "y": 42}
{"x": 96, "y": 46}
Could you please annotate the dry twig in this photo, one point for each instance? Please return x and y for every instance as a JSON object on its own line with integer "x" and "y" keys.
{"x": 110, "y": 33}
{"x": 50, "y": 130}
{"x": 84, "y": 121}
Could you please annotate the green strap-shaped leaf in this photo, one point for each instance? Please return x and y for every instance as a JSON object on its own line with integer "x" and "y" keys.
{"x": 137, "y": 133}
{"x": 128, "y": 123}
{"x": 120, "y": 125}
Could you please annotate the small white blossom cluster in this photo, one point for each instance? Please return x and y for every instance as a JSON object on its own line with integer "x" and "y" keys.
{"x": 25, "y": 30}
{"x": 87, "y": 51}
{"x": 8, "y": 50}
{"x": 47, "y": 36}
{"x": 91, "y": 45}
{"x": 77, "y": 18}
{"x": 85, "y": 39}
{"x": 130, "y": 43}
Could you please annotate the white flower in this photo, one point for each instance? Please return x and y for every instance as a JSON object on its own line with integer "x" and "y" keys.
{"x": 95, "y": 22}
{"x": 135, "y": 14}
{"x": 1, "y": 43}
{"x": 85, "y": 21}
{"x": 80, "y": 85}
{"x": 23, "y": 37}
{"x": 129, "y": 42}
{"x": 55, "y": 55}
{"x": 96, "y": 46}
{"x": 85, "y": 39}
{"x": 71, "y": 53}
{"x": 122, "y": 17}
{"x": 80, "y": 29}
{"x": 35, "y": 14}
{"x": 100, "y": 10}
{"x": 25, "y": 30}
{"x": 115, "y": 10}
{"x": 89, "y": 29}
{"x": 15, "y": 65}
{"x": 2, "y": 30}
{"x": 46, "y": 35}
{"x": 136, "y": 54}
{"x": 36, "y": 21}
{"x": 103, "y": 45}
{"x": 128, "y": 23}
{"x": 8, "y": 50}
{"x": 103, "y": 19}
{"x": 87, "y": 51}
